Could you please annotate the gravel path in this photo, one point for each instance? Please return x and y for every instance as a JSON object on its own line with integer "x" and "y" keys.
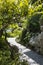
{"x": 32, "y": 57}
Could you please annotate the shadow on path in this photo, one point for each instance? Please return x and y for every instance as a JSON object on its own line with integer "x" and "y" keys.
{"x": 37, "y": 58}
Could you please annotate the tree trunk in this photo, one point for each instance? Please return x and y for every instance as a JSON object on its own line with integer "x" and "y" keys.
{"x": 1, "y": 32}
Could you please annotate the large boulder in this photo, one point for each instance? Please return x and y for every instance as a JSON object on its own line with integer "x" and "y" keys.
{"x": 37, "y": 42}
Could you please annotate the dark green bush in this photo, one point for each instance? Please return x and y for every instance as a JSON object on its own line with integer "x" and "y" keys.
{"x": 25, "y": 37}
{"x": 33, "y": 27}
{"x": 33, "y": 24}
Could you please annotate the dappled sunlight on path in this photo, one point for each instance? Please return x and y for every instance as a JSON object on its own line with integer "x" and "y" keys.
{"x": 32, "y": 57}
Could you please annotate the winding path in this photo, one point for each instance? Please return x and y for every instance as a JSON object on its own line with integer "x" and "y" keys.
{"x": 32, "y": 57}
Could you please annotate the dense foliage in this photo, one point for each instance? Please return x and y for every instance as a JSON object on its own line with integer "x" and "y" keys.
{"x": 11, "y": 14}
{"x": 23, "y": 18}
{"x": 35, "y": 15}
{"x": 5, "y": 55}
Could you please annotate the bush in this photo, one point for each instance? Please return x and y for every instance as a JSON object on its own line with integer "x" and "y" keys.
{"x": 5, "y": 55}
{"x": 33, "y": 24}
{"x": 32, "y": 29}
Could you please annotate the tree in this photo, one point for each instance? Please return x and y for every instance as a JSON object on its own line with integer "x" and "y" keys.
{"x": 11, "y": 12}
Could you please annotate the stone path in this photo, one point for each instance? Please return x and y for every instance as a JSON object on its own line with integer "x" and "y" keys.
{"x": 32, "y": 57}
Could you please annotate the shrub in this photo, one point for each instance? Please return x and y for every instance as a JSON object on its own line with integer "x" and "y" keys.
{"x": 5, "y": 55}
{"x": 33, "y": 24}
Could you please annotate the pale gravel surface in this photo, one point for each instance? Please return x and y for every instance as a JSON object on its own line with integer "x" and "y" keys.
{"x": 32, "y": 57}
